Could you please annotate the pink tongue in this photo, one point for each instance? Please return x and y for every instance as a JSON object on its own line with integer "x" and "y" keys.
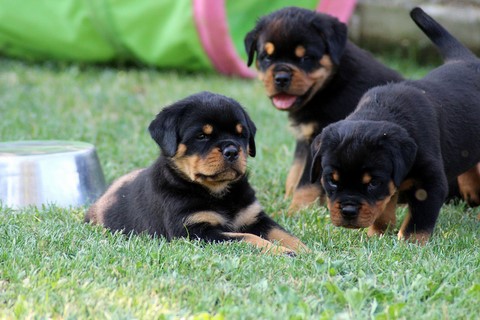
{"x": 283, "y": 101}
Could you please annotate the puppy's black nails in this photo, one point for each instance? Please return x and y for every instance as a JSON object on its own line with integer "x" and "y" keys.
{"x": 291, "y": 254}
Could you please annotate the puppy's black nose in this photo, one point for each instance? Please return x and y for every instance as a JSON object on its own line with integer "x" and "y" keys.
{"x": 349, "y": 211}
{"x": 282, "y": 79}
{"x": 230, "y": 153}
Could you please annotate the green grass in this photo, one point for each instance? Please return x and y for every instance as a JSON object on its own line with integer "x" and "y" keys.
{"x": 52, "y": 265}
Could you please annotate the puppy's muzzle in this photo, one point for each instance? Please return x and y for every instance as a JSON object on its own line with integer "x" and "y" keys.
{"x": 349, "y": 211}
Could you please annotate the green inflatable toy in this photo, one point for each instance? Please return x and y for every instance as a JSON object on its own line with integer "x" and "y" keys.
{"x": 192, "y": 35}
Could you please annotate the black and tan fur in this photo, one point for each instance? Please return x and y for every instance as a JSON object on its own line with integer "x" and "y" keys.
{"x": 412, "y": 138}
{"x": 198, "y": 186}
{"x": 310, "y": 70}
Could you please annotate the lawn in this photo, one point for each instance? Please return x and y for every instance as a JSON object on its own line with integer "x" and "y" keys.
{"x": 52, "y": 265}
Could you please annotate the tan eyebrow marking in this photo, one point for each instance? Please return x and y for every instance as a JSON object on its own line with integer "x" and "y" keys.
{"x": 269, "y": 48}
{"x": 207, "y": 129}
{"x": 300, "y": 51}
{"x": 366, "y": 178}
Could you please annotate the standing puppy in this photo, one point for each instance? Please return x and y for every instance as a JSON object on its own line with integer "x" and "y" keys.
{"x": 311, "y": 71}
{"x": 198, "y": 187}
{"x": 415, "y": 137}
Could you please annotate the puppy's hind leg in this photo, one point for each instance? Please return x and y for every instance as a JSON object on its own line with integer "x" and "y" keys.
{"x": 469, "y": 185}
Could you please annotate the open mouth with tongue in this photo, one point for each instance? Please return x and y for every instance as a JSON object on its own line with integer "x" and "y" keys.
{"x": 283, "y": 101}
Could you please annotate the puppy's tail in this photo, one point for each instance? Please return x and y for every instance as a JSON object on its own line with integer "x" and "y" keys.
{"x": 448, "y": 46}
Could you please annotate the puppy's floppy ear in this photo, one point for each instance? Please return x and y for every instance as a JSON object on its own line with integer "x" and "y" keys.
{"x": 323, "y": 145}
{"x": 403, "y": 151}
{"x": 334, "y": 33}
{"x": 164, "y": 130}
{"x": 252, "y": 129}
{"x": 316, "y": 167}
{"x": 250, "y": 42}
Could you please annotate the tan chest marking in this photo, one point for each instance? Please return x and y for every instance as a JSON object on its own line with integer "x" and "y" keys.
{"x": 305, "y": 131}
{"x": 211, "y": 217}
{"x": 247, "y": 216}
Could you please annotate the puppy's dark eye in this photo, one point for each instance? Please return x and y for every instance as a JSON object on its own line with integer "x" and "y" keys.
{"x": 306, "y": 59}
{"x": 266, "y": 58}
{"x": 331, "y": 183}
{"x": 373, "y": 184}
{"x": 202, "y": 136}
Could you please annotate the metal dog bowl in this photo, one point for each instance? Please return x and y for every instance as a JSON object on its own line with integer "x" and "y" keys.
{"x": 64, "y": 173}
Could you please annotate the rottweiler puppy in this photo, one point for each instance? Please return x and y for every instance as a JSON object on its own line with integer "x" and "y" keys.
{"x": 413, "y": 137}
{"x": 198, "y": 187}
{"x": 311, "y": 71}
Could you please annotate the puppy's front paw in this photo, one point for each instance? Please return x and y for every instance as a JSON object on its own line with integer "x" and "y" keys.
{"x": 420, "y": 238}
{"x": 304, "y": 197}
{"x": 375, "y": 231}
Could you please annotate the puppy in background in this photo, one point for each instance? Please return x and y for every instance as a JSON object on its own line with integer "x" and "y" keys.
{"x": 311, "y": 71}
{"x": 413, "y": 137}
{"x": 198, "y": 187}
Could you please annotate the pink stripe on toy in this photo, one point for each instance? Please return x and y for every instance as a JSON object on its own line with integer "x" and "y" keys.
{"x": 212, "y": 27}
{"x": 342, "y": 9}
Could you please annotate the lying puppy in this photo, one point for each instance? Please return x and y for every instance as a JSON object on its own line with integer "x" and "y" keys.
{"x": 198, "y": 187}
{"x": 311, "y": 71}
{"x": 413, "y": 136}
